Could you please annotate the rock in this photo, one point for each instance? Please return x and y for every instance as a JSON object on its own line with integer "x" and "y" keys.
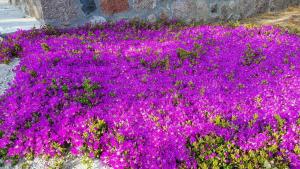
{"x": 190, "y": 10}
{"x": 262, "y": 6}
{"x": 246, "y": 8}
{"x": 69, "y": 163}
{"x": 164, "y": 15}
{"x": 62, "y": 12}
{"x": 151, "y": 18}
{"x": 97, "y": 19}
{"x": 181, "y": 9}
{"x": 72, "y": 12}
{"x": 277, "y": 5}
{"x": 88, "y": 6}
{"x": 144, "y": 4}
{"x": 78, "y": 164}
{"x": 225, "y": 12}
{"x": 7, "y": 74}
{"x": 214, "y": 8}
{"x": 251, "y": 7}
{"x": 229, "y": 11}
{"x": 201, "y": 10}
{"x": 267, "y": 165}
{"x": 114, "y": 6}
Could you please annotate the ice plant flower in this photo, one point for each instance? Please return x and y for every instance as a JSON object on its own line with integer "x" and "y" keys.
{"x": 154, "y": 95}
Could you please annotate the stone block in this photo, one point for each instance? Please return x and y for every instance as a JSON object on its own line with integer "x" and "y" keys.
{"x": 88, "y": 6}
{"x": 62, "y": 12}
{"x": 114, "y": 6}
{"x": 189, "y": 10}
{"x": 278, "y": 4}
{"x": 261, "y": 6}
{"x": 164, "y": 14}
{"x": 144, "y": 4}
{"x": 97, "y": 19}
{"x": 151, "y": 18}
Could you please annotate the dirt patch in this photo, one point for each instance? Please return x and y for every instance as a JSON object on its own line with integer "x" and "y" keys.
{"x": 289, "y": 18}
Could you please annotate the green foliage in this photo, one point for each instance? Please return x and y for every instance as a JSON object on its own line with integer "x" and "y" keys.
{"x": 89, "y": 87}
{"x": 98, "y": 128}
{"x": 54, "y": 84}
{"x": 143, "y": 62}
{"x": 159, "y": 63}
{"x": 89, "y": 92}
{"x": 16, "y": 49}
{"x": 65, "y": 88}
{"x": 45, "y": 47}
{"x": 234, "y": 24}
{"x": 88, "y": 162}
{"x": 219, "y": 121}
{"x": 280, "y": 121}
{"x": 58, "y": 163}
{"x": 3, "y": 153}
{"x": 33, "y": 74}
{"x": 23, "y": 68}
{"x": 50, "y": 30}
{"x": 184, "y": 54}
{"x": 61, "y": 149}
{"x": 84, "y": 100}
{"x": 297, "y": 149}
{"x": 252, "y": 56}
{"x": 213, "y": 151}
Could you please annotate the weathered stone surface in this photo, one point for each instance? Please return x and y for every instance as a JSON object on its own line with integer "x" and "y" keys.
{"x": 246, "y": 7}
{"x": 88, "y": 6}
{"x": 151, "y": 18}
{"x": 214, "y": 8}
{"x": 278, "y": 4}
{"x": 7, "y": 74}
{"x": 261, "y": 6}
{"x": 181, "y": 8}
{"x": 229, "y": 11}
{"x": 190, "y": 10}
{"x": 144, "y": 4}
{"x": 74, "y": 12}
{"x": 97, "y": 19}
{"x": 201, "y": 10}
{"x": 164, "y": 15}
{"x": 251, "y": 7}
{"x": 114, "y": 6}
{"x": 62, "y": 12}
{"x": 67, "y": 163}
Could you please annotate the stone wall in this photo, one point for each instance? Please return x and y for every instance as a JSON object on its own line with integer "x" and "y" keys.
{"x": 76, "y": 12}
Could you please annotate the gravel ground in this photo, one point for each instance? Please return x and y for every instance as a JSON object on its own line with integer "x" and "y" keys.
{"x": 7, "y": 74}
{"x": 71, "y": 163}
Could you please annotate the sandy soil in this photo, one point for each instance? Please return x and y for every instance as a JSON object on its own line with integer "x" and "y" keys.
{"x": 288, "y": 18}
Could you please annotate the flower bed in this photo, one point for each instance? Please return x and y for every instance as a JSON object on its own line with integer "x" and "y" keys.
{"x": 155, "y": 96}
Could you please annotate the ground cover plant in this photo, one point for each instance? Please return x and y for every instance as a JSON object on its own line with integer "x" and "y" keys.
{"x": 141, "y": 95}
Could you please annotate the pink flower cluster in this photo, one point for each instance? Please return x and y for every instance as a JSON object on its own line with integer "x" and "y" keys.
{"x": 134, "y": 95}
